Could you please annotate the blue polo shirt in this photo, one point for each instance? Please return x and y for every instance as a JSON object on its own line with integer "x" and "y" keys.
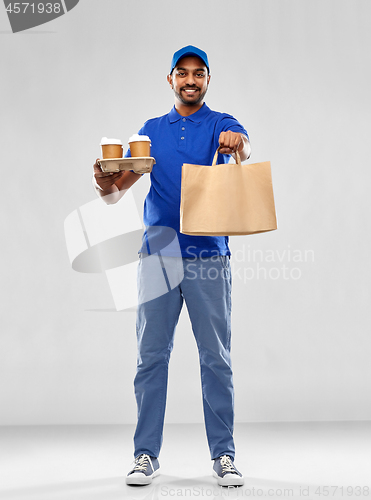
{"x": 175, "y": 140}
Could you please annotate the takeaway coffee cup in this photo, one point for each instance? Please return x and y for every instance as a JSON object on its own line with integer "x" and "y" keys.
{"x": 111, "y": 148}
{"x": 140, "y": 145}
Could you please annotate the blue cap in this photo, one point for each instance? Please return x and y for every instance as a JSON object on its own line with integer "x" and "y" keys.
{"x": 190, "y": 50}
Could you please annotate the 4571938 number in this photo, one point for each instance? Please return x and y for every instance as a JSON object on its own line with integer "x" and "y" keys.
{"x": 342, "y": 491}
{"x": 34, "y": 8}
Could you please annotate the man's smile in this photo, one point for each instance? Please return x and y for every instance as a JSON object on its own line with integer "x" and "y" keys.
{"x": 190, "y": 92}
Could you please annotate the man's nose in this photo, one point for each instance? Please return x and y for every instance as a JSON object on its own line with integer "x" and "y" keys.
{"x": 190, "y": 80}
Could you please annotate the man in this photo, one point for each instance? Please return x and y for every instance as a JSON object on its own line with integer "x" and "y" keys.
{"x": 190, "y": 133}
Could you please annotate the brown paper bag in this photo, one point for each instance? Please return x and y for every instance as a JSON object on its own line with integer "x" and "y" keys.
{"x": 227, "y": 199}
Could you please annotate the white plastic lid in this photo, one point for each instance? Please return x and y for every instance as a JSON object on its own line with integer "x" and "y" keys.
{"x": 105, "y": 141}
{"x": 137, "y": 138}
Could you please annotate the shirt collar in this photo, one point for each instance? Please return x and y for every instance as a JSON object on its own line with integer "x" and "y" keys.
{"x": 197, "y": 117}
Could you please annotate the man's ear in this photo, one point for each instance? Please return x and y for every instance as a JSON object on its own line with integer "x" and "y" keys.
{"x": 170, "y": 80}
{"x": 208, "y": 79}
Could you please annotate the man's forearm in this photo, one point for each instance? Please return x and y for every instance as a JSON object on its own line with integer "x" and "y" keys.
{"x": 116, "y": 191}
{"x": 110, "y": 195}
{"x": 244, "y": 150}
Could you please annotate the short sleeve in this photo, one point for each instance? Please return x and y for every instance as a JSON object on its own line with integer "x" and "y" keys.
{"x": 228, "y": 122}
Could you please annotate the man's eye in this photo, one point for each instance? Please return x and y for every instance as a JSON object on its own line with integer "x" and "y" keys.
{"x": 181, "y": 73}
{"x": 200, "y": 75}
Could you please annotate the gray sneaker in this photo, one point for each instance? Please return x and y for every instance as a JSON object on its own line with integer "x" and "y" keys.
{"x": 144, "y": 470}
{"x": 226, "y": 473}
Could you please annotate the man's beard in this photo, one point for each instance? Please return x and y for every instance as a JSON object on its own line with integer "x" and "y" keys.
{"x": 190, "y": 103}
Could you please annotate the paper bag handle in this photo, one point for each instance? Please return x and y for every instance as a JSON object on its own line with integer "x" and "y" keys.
{"x": 238, "y": 159}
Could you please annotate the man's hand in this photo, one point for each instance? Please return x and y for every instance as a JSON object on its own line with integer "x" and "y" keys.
{"x": 105, "y": 180}
{"x": 230, "y": 142}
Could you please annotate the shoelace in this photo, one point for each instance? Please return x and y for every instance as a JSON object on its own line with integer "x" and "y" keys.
{"x": 227, "y": 465}
{"x": 142, "y": 462}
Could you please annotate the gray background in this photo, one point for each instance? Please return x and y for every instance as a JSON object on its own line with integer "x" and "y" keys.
{"x": 296, "y": 74}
